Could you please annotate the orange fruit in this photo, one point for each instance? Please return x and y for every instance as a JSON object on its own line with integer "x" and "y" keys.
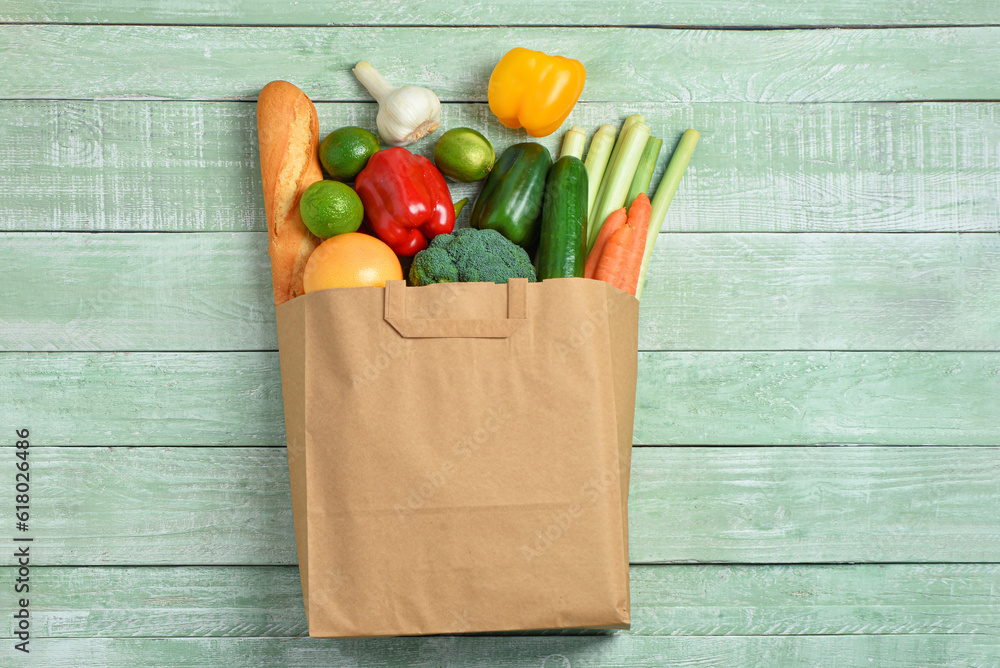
{"x": 349, "y": 261}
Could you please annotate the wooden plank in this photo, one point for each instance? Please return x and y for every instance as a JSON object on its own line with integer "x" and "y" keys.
{"x": 704, "y": 292}
{"x": 192, "y": 166}
{"x": 612, "y": 651}
{"x": 731, "y": 398}
{"x": 177, "y": 601}
{"x": 229, "y": 63}
{"x": 83, "y": 283}
{"x": 823, "y": 291}
{"x": 809, "y": 600}
{"x": 680, "y": 600}
{"x": 205, "y": 506}
{"x": 137, "y": 506}
{"x": 774, "y": 505}
{"x": 704, "y": 398}
{"x": 510, "y": 12}
{"x": 143, "y": 398}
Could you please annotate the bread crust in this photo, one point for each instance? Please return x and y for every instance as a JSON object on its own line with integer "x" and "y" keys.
{"x": 288, "y": 140}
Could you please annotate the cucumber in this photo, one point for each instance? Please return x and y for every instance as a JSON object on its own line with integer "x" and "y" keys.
{"x": 562, "y": 244}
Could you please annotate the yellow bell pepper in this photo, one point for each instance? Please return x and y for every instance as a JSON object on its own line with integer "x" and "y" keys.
{"x": 533, "y": 90}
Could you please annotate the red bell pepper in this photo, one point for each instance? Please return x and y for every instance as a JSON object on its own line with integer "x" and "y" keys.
{"x": 406, "y": 200}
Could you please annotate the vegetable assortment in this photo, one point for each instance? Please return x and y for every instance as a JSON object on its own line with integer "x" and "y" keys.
{"x": 585, "y": 215}
{"x": 596, "y": 219}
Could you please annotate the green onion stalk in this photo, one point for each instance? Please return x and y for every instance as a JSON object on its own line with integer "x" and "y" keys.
{"x": 664, "y": 194}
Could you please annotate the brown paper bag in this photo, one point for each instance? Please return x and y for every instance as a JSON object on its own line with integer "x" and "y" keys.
{"x": 459, "y": 455}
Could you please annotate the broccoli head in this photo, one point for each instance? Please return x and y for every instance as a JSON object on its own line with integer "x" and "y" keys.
{"x": 433, "y": 265}
{"x": 470, "y": 255}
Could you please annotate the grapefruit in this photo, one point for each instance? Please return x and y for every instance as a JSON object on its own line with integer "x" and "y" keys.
{"x": 351, "y": 260}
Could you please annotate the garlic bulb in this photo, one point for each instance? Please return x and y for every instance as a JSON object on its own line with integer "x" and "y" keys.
{"x": 405, "y": 114}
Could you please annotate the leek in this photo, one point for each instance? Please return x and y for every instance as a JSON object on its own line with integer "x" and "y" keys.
{"x": 664, "y": 194}
{"x": 644, "y": 173}
{"x": 626, "y": 126}
{"x": 573, "y": 142}
{"x": 619, "y": 177}
{"x": 597, "y": 161}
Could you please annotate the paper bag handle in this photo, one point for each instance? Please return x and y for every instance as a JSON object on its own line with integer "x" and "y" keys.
{"x": 456, "y": 328}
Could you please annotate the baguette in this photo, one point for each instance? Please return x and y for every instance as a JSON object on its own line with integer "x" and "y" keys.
{"x": 288, "y": 138}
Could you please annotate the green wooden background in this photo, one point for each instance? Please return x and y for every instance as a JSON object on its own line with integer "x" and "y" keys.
{"x": 817, "y": 477}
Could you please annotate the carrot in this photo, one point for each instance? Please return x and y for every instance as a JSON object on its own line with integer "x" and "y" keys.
{"x": 614, "y": 259}
{"x": 615, "y": 220}
{"x": 638, "y": 219}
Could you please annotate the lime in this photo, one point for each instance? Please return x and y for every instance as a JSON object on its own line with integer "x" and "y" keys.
{"x": 464, "y": 155}
{"x": 329, "y": 208}
{"x": 345, "y": 152}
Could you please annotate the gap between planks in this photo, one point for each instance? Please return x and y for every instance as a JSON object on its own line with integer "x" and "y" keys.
{"x": 320, "y": 100}
{"x": 604, "y": 26}
{"x": 735, "y": 446}
{"x": 669, "y": 564}
{"x": 829, "y": 65}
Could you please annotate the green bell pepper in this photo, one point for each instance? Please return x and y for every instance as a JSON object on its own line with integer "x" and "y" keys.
{"x": 511, "y": 199}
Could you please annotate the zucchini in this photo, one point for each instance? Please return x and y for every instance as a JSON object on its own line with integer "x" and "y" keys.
{"x": 562, "y": 246}
{"x": 511, "y": 199}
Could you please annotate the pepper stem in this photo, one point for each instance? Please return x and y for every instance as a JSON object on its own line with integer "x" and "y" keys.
{"x": 375, "y": 83}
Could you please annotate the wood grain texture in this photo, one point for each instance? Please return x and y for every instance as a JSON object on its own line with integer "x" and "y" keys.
{"x": 637, "y": 64}
{"x": 733, "y": 398}
{"x": 823, "y": 292}
{"x": 210, "y": 506}
{"x": 703, "y": 292}
{"x": 142, "y": 506}
{"x": 704, "y": 398}
{"x": 613, "y": 651}
{"x": 213, "y": 523}
{"x": 806, "y": 600}
{"x": 143, "y": 398}
{"x": 510, "y": 12}
{"x": 191, "y": 281}
{"x": 814, "y": 504}
{"x": 679, "y": 600}
{"x": 193, "y": 166}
